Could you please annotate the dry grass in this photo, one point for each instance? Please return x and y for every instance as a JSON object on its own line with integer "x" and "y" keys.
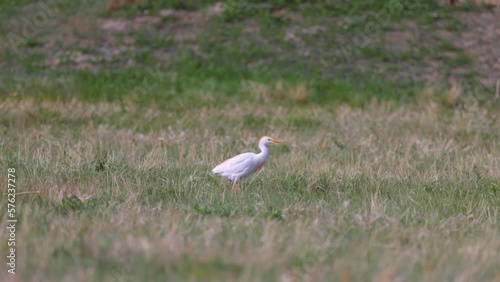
{"x": 387, "y": 192}
{"x": 361, "y": 191}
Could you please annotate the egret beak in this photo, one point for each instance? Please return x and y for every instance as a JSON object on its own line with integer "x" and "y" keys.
{"x": 276, "y": 141}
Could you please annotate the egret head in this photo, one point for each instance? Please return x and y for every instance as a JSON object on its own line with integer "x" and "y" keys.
{"x": 268, "y": 140}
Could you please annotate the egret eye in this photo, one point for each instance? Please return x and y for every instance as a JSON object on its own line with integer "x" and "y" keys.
{"x": 268, "y": 139}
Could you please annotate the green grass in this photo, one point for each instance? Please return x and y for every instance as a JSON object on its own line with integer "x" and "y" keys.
{"x": 384, "y": 175}
{"x": 126, "y": 191}
{"x": 174, "y": 89}
{"x": 347, "y": 42}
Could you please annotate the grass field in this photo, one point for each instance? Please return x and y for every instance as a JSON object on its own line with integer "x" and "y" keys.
{"x": 113, "y": 122}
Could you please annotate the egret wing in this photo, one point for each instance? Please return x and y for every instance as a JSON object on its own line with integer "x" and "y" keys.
{"x": 235, "y": 164}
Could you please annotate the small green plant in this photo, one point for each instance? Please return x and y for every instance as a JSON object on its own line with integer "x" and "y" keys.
{"x": 73, "y": 203}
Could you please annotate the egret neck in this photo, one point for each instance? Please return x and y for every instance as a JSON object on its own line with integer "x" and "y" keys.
{"x": 262, "y": 156}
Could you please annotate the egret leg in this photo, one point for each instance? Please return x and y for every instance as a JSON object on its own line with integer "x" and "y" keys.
{"x": 235, "y": 186}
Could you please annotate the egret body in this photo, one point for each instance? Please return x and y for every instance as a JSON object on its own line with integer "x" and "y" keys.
{"x": 245, "y": 164}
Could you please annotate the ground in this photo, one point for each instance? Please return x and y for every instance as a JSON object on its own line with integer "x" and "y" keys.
{"x": 113, "y": 121}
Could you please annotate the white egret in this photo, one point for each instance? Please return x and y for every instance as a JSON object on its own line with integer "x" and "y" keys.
{"x": 245, "y": 164}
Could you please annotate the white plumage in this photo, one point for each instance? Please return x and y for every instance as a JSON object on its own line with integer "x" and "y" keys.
{"x": 245, "y": 164}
